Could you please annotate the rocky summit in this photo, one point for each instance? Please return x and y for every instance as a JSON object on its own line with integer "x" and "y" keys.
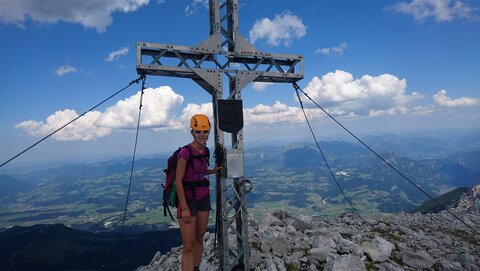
{"x": 390, "y": 242}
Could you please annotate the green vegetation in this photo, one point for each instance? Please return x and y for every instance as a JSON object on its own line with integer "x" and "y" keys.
{"x": 447, "y": 199}
{"x": 370, "y": 265}
{"x": 290, "y": 178}
{"x": 292, "y": 267}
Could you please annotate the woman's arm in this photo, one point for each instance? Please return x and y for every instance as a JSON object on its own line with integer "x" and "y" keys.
{"x": 179, "y": 174}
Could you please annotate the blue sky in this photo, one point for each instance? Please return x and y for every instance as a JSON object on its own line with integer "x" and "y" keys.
{"x": 377, "y": 66}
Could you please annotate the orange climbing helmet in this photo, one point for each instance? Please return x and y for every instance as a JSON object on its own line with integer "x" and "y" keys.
{"x": 200, "y": 122}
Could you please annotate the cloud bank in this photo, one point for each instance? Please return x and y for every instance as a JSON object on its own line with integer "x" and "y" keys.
{"x": 82, "y": 129}
{"x": 281, "y": 30}
{"x": 369, "y": 95}
{"x": 277, "y": 114}
{"x": 89, "y": 13}
{"x": 157, "y": 113}
{"x": 441, "y": 99}
{"x": 338, "y": 92}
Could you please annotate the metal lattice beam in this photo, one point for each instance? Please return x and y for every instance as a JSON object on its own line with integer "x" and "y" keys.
{"x": 183, "y": 61}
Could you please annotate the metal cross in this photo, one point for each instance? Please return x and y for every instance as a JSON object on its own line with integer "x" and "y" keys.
{"x": 226, "y": 52}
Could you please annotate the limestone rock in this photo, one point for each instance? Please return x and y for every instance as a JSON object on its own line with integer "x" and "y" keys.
{"x": 397, "y": 242}
{"x": 346, "y": 263}
{"x": 444, "y": 265}
{"x": 319, "y": 254}
{"x": 419, "y": 259}
{"x": 379, "y": 249}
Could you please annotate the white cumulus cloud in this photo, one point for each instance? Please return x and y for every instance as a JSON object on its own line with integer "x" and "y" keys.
{"x": 157, "y": 113}
{"x": 157, "y": 110}
{"x": 61, "y": 71}
{"x": 281, "y": 30}
{"x": 82, "y": 129}
{"x": 441, "y": 99}
{"x": 89, "y": 13}
{"x": 370, "y": 95}
{"x": 334, "y": 50}
{"x": 117, "y": 54}
{"x": 440, "y": 10}
{"x": 276, "y": 113}
{"x": 260, "y": 86}
{"x": 279, "y": 114}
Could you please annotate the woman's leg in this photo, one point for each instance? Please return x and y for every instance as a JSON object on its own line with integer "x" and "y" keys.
{"x": 201, "y": 228}
{"x": 188, "y": 242}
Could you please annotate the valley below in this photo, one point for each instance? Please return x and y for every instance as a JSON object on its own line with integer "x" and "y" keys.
{"x": 292, "y": 177}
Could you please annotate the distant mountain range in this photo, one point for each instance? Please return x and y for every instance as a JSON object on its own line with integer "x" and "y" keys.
{"x": 293, "y": 173}
{"x": 91, "y": 196}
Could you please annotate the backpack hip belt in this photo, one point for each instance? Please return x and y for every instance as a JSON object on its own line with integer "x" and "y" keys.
{"x": 192, "y": 184}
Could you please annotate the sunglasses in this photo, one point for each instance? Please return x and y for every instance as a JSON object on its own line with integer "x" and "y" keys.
{"x": 197, "y": 132}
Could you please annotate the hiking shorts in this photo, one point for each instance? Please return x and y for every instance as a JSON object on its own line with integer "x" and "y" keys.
{"x": 196, "y": 206}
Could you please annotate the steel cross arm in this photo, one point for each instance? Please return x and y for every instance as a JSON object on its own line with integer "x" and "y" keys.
{"x": 187, "y": 62}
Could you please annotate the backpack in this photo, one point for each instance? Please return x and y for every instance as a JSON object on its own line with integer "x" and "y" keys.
{"x": 170, "y": 197}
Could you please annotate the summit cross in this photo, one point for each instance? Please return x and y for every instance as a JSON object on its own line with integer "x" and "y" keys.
{"x": 224, "y": 52}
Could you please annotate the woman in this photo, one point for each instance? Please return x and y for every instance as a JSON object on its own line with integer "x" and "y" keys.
{"x": 193, "y": 192}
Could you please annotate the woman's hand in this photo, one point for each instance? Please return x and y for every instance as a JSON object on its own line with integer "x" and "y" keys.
{"x": 186, "y": 216}
{"x": 214, "y": 170}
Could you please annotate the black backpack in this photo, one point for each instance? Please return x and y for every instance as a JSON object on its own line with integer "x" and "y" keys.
{"x": 170, "y": 197}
